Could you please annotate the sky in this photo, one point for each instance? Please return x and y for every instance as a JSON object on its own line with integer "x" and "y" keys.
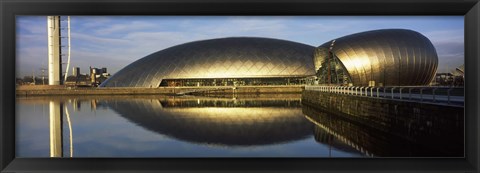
{"x": 116, "y": 41}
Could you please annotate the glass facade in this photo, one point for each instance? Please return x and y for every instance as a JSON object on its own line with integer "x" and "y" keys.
{"x": 234, "y": 82}
{"x": 331, "y": 69}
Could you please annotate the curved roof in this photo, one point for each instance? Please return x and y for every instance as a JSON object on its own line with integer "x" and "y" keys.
{"x": 231, "y": 125}
{"x": 235, "y": 57}
{"x": 388, "y": 56}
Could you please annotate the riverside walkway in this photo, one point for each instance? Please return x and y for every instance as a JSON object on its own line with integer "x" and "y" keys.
{"x": 437, "y": 95}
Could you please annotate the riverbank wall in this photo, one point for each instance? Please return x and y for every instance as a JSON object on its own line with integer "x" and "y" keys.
{"x": 414, "y": 121}
{"x": 46, "y": 90}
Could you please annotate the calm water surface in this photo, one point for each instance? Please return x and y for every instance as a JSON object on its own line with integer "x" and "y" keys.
{"x": 167, "y": 126}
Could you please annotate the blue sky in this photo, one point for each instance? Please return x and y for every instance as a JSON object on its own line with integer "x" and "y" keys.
{"x": 116, "y": 41}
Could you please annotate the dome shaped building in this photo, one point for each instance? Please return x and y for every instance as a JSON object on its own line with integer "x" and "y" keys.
{"x": 220, "y": 62}
{"x": 387, "y": 57}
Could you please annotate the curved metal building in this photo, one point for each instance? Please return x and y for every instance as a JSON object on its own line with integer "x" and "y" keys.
{"x": 225, "y": 58}
{"x": 388, "y": 57}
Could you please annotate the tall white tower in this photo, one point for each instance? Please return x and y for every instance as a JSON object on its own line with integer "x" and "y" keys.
{"x": 54, "y": 51}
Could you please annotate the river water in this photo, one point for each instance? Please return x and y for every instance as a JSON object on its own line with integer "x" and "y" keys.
{"x": 189, "y": 126}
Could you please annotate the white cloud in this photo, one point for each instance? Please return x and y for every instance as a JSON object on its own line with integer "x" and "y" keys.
{"x": 445, "y": 36}
{"x": 106, "y": 41}
{"x": 449, "y": 45}
{"x": 241, "y": 26}
{"x": 132, "y": 26}
{"x": 89, "y": 22}
{"x": 97, "y": 40}
{"x": 33, "y": 26}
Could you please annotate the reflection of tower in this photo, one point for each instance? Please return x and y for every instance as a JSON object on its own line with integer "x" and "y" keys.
{"x": 76, "y": 105}
{"x": 54, "y": 51}
{"x": 69, "y": 122}
{"x": 56, "y": 111}
{"x": 56, "y": 128}
{"x": 93, "y": 105}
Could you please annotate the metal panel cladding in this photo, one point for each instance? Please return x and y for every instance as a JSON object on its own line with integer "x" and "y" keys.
{"x": 234, "y": 57}
{"x": 394, "y": 57}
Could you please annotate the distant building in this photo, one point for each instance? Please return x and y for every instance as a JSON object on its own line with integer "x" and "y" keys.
{"x": 30, "y": 80}
{"x": 98, "y": 75}
{"x": 94, "y": 78}
{"x": 80, "y": 80}
{"x": 454, "y": 78}
{"x": 76, "y": 71}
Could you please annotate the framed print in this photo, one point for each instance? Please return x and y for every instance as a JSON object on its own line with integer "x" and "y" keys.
{"x": 239, "y": 86}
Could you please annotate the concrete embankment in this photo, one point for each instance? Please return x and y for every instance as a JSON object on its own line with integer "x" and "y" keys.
{"x": 438, "y": 126}
{"x": 62, "y": 90}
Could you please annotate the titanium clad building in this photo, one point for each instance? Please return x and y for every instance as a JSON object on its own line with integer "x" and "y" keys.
{"x": 220, "y": 62}
{"x": 388, "y": 57}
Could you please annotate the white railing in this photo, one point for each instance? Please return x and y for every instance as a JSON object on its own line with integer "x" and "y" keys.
{"x": 412, "y": 93}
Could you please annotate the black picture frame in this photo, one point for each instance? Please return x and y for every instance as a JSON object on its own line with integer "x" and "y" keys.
{"x": 10, "y": 8}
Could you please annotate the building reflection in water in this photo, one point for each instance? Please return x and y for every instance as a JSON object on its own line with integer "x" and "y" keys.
{"x": 57, "y": 108}
{"x": 55, "y": 119}
{"x": 267, "y": 126}
{"x": 245, "y": 122}
{"x": 70, "y": 135}
{"x": 224, "y": 122}
{"x": 213, "y": 122}
{"x": 382, "y": 142}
